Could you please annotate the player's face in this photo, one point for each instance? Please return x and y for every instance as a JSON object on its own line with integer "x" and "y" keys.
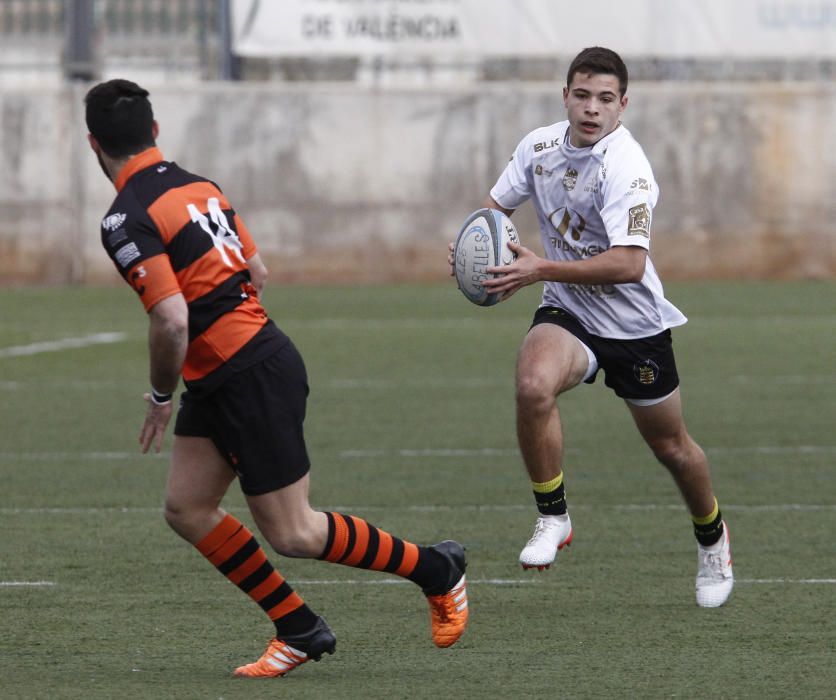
{"x": 594, "y": 106}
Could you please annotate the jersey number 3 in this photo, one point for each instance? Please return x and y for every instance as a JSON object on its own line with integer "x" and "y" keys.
{"x": 219, "y": 230}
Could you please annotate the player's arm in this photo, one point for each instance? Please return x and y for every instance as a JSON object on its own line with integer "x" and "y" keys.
{"x": 168, "y": 339}
{"x": 258, "y": 272}
{"x": 618, "y": 265}
{"x": 492, "y": 204}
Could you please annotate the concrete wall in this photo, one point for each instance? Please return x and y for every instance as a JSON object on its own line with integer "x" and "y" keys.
{"x": 342, "y": 183}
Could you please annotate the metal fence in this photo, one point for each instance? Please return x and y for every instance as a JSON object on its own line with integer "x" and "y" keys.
{"x": 171, "y": 36}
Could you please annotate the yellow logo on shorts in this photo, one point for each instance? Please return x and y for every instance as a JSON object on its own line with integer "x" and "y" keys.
{"x": 646, "y": 372}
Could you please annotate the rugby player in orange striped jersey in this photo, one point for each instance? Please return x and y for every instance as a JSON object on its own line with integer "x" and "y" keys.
{"x": 178, "y": 242}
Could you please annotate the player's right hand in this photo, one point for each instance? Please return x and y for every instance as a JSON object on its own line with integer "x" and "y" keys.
{"x": 156, "y": 421}
{"x": 451, "y": 247}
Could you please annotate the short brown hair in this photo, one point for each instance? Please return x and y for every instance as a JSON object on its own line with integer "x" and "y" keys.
{"x": 598, "y": 60}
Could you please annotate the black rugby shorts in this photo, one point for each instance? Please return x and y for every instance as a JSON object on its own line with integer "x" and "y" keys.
{"x": 255, "y": 420}
{"x": 643, "y": 368}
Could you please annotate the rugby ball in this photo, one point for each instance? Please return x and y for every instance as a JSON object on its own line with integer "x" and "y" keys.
{"x": 482, "y": 243}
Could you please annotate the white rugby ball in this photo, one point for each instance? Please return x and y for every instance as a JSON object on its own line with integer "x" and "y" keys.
{"x": 482, "y": 243}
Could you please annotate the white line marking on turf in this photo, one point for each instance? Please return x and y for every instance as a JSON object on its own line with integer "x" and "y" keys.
{"x": 465, "y": 508}
{"x": 483, "y": 452}
{"x": 786, "y": 580}
{"x": 75, "y": 384}
{"x": 449, "y": 453}
{"x": 91, "y": 456}
{"x": 22, "y": 584}
{"x": 63, "y": 344}
{"x": 784, "y": 378}
{"x": 458, "y": 382}
{"x": 398, "y": 581}
{"x": 774, "y": 449}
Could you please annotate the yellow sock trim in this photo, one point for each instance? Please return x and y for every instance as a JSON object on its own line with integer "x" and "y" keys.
{"x": 708, "y": 519}
{"x": 548, "y": 486}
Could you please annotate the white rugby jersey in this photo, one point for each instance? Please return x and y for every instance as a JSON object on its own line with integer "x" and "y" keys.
{"x": 588, "y": 200}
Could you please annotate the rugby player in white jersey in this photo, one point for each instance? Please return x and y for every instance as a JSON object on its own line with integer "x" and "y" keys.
{"x": 602, "y": 308}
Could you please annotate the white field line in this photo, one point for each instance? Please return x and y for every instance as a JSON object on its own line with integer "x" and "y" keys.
{"x": 783, "y": 379}
{"x": 398, "y": 581}
{"x": 518, "y": 581}
{"x": 67, "y": 384}
{"x": 787, "y": 580}
{"x": 478, "y": 582}
{"x": 499, "y": 452}
{"x": 467, "y": 508}
{"x": 452, "y": 453}
{"x": 63, "y": 344}
{"x": 428, "y": 453}
{"x": 436, "y": 382}
{"x": 352, "y": 383}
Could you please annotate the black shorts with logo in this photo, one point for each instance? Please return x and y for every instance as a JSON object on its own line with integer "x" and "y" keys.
{"x": 642, "y": 368}
{"x": 255, "y": 420}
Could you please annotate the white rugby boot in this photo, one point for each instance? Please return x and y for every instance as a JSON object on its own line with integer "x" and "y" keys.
{"x": 714, "y": 573}
{"x": 551, "y": 533}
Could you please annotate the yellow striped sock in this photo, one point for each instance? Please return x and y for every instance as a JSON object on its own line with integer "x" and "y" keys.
{"x": 548, "y": 486}
{"x": 708, "y": 519}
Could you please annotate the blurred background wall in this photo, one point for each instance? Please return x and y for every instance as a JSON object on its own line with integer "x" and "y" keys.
{"x": 354, "y": 136}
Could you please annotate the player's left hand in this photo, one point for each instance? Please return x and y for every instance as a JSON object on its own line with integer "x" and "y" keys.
{"x": 156, "y": 420}
{"x": 511, "y": 278}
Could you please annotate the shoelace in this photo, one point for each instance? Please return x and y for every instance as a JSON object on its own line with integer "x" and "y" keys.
{"x": 541, "y": 526}
{"x": 713, "y": 561}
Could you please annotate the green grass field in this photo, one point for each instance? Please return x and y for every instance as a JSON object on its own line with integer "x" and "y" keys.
{"x": 411, "y": 426}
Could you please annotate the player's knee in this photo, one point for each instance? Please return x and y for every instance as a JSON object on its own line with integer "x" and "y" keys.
{"x": 533, "y": 393}
{"x": 676, "y": 452}
{"x": 185, "y": 521}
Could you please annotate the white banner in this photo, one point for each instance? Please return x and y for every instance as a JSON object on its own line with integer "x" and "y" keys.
{"x": 477, "y": 28}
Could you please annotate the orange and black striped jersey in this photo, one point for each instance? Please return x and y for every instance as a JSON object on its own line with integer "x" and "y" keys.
{"x": 169, "y": 231}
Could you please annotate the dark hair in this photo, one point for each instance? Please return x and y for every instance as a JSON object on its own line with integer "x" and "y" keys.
{"x": 120, "y": 117}
{"x": 598, "y": 60}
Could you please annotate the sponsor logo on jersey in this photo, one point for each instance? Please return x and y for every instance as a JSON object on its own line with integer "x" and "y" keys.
{"x": 570, "y": 179}
{"x": 162, "y": 169}
{"x": 646, "y": 371}
{"x": 639, "y": 221}
{"x": 114, "y": 221}
{"x": 597, "y": 290}
{"x": 640, "y": 184}
{"x": 126, "y": 254}
{"x": 582, "y": 251}
{"x": 546, "y": 145}
{"x": 567, "y": 220}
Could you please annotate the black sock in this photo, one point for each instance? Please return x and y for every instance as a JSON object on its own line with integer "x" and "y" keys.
{"x": 709, "y": 529}
{"x": 550, "y": 496}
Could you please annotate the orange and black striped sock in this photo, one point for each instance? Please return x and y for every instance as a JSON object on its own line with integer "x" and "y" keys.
{"x": 354, "y": 542}
{"x": 234, "y": 551}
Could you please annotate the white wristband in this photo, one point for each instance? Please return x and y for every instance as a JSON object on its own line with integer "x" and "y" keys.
{"x": 160, "y": 399}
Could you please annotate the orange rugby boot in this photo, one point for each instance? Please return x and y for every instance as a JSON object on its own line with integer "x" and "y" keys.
{"x": 449, "y": 611}
{"x": 283, "y": 655}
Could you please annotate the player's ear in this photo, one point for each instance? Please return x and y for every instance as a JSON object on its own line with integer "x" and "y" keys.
{"x": 93, "y": 143}
{"x": 155, "y": 129}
